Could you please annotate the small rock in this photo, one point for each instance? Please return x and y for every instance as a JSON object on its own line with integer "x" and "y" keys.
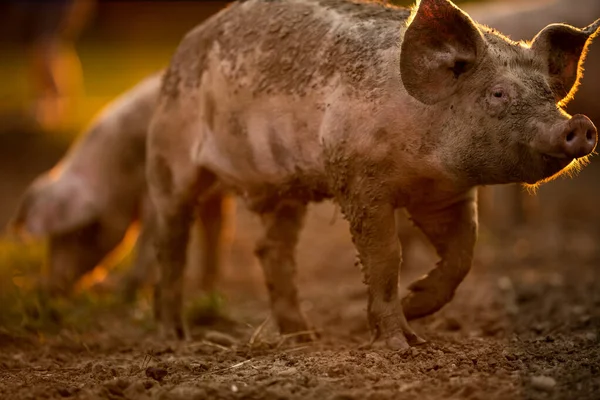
{"x": 156, "y": 373}
{"x": 88, "y": 366}
{"x": 98, "y": 369}
{"x": 64, "y": 392}
{"x": 220, "y": 338}
{"x": 116, "y": 386}
{"x": 543, "y": 382}
{"x": 505, "y": 284}
{"x": 591, "y": 336}
{"x": 453, "y": 325}
{"x": 509, "y": 356}
{"x": 578, "y": 310}
{"x": 148, "y": 384}
{"x": 200, "y": 366}
{"x": 289, "y": 372}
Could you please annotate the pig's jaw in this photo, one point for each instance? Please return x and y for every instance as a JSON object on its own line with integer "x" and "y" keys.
{"x": 555, "y": 167}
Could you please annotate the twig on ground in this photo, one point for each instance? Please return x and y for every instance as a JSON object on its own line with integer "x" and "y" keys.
{"x": 218, "y": 346}
{"x": 258, "y": 331}
{"x": 286, "y": 336}
{"x": 227, "y": 368}
{"x": 296, "y": 348}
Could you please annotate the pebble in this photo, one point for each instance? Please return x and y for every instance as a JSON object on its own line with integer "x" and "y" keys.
{"x": 220, "y": 338}
{"x": 289, "y": 372}
{"x": 543, "y": 382}
{"x": 156, "y": 373}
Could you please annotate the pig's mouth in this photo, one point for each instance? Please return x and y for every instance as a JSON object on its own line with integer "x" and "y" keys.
{"x": 557, "y": 161}
{"x": 554, "y": 165}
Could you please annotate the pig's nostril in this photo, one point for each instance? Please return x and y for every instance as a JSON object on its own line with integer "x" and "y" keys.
{"x": 570, "y": 136}
{"x": 578, "y": 137}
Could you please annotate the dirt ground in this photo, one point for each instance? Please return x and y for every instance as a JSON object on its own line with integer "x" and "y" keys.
{"x": 524, "y": 325}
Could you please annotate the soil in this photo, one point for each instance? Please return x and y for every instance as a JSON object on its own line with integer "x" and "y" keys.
{"x": 524, "y": 324}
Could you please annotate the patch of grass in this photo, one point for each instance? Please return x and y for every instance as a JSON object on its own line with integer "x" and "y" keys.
{"x": 25, "y": 308}
{"x": 206, "y": 309}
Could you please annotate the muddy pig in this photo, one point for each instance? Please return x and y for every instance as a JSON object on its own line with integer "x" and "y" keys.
{"x": 378, "y": 108}
{"x": 86, "y": 204}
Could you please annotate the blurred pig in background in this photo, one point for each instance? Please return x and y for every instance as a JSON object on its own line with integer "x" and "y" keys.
{"x": 87, "y": 203}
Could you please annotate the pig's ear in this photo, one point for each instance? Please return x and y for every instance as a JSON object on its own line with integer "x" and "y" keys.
{"x": 564, "y": 48}
{"x": 440, "y": 46}
{"x": 54, "y": 206}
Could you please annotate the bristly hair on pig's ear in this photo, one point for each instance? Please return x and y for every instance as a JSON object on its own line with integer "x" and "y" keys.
{"x": 441, "y": 45}
{"x": 564, "y": 48}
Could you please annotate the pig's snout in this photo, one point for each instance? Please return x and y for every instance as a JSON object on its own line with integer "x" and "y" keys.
{"x": 578, "y": 137}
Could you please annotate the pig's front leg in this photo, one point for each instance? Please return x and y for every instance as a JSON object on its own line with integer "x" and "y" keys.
{"x": 374, "y": 234}
{"x": 452, "y": 229}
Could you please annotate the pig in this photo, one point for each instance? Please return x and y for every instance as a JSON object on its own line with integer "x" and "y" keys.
{"x": 376, "y": 107}
{"x": 86, "y": 204}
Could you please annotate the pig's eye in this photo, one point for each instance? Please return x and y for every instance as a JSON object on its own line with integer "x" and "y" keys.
{"x": 498, "y": 99}
{"x": 498, "y": 93}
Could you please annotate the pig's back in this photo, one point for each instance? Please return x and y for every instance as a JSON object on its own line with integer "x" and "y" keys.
{"x": 289, "y": 47}
{"x": 111, "y": 154}
{"x": 261, "y": 74}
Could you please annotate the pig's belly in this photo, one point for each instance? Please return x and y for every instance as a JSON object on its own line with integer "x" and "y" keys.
{"x": 263, "y": 172}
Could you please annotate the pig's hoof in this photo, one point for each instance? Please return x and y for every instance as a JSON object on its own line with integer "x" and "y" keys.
{"x": 397, "y": 342}
{"x": 298, "y": 331}
{"x": 415, "y": 340}
{"x": 400, "y": 341}
{"x": 173, "y": 333}
{"x": 393, "y": 329}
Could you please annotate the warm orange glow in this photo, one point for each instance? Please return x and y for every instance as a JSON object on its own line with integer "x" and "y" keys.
{"x": 99, "y": 274}
{"x": 56, "y": 171}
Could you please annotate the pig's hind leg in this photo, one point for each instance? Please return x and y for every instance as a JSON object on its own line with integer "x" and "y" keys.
{"x": 452, "y": 229}
{"x": 174, "y": 183}
{"x": 211, "y": 216}
{"x": 276, "y": 252}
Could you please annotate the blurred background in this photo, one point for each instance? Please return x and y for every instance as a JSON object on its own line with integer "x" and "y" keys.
{"x": 62, "y": 61}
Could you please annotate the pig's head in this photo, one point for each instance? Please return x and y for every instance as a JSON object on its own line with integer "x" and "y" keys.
{"x": 53, "y": 205}
{"x": 493, "y": 106}
{"x": 75, "y": 253}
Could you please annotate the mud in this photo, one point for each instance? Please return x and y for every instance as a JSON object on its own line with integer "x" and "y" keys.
{"x": 523, "y": 325}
